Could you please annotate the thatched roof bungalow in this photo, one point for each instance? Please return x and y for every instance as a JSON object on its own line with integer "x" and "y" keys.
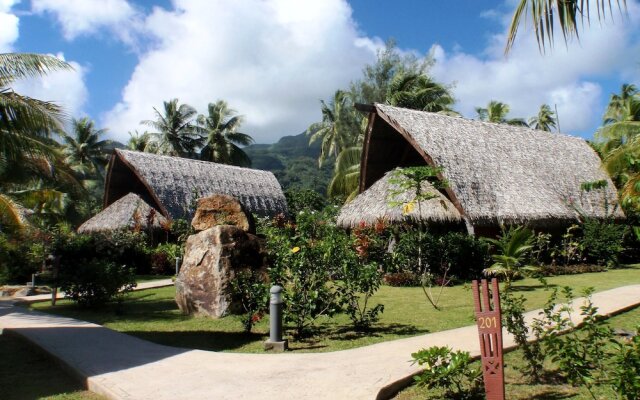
{"x": 375, "y": 204}
{"x": 497, "y": 173}
{"x": 172, "y": 184}
{"x": 127, "y": 213}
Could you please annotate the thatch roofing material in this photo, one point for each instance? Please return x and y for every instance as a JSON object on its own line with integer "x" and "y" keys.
{"x": 376, "y": 203}
{"x": 499, "y": 173}
{"x": 125, "y": 213}
{"x": 174, "y": 183}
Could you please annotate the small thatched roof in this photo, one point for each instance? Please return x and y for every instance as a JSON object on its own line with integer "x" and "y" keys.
{"x": 376, "y": 203}
{"x": 126, "y": 213}
{"x": 497, "y": 173}
{"x": 173, "y": 184}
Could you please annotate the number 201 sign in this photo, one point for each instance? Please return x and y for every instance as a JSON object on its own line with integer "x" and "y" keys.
{"x": 488, "y": 317}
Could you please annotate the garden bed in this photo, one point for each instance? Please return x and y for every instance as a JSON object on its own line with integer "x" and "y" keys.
{"x": 553, "y": 386}
{"x": 153, "y": 315}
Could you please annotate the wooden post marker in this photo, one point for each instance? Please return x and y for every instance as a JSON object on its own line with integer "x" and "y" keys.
{"x": 488, "y": 317}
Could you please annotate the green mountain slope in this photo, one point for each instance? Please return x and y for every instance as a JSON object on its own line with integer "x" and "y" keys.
{"x": 293, "y": 162}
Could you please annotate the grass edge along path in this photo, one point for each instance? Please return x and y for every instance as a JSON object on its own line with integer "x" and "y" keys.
{"x": 152, "y": 315}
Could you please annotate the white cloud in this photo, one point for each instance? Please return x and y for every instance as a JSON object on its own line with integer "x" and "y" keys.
{"x": 65, "y": 88}
{"x": 86, "y": 17}
{"x": 527, "y": 79}
{"x": 8, "y": 26}
{"x": 270, "y": 60}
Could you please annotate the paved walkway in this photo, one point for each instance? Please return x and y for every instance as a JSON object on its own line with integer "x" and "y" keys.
{"x": 123, "y": 367}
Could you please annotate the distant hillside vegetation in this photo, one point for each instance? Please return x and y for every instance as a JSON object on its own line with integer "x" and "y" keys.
{"x": 293, "y": 162}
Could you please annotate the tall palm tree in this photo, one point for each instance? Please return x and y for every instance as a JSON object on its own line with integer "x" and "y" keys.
{"x": 568, "y": 12}
{"x": 419, "y": 92}
{"x": 220, "y": 126}
{"x": 84, "y": 149}
{"x": 346, "y": 174}
{"x": 497, "y": 112}
{"x": 339, "y": 128}
{"x": 25, "y": 123}
{"x": 176, "y": 132}
{"x": 545, "y": 120}
{"x": 140, "y": 142}
{"x": 25, "y": 120}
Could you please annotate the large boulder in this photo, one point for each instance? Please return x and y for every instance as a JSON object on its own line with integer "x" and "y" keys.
{"x": 212, "y": 258}
{"x": 221, "y": 209}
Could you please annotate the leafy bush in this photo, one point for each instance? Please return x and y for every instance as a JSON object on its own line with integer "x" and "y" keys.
{"x": 302, "y": 261}
{"x": 602, "y": 241}
{"x": 448, "y": 370}
{"x": 513, "y": 317}
{"x": 322, "y": 269}
{"x": 22, "y": 255}
{"x": 463, "y": 255}
{"x": 554, "y": 270}
{"x": 249, "y": 289}
{"x": 512, "y": 253}
{"x": 304, "y": 200}
{"x": 162, "y": 258}
{"x": 625, "y": 376}
{"x": 93, "y": 282}
{"x": 401, "y": 279}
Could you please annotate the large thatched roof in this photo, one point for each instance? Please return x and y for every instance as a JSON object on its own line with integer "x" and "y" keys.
{"x": 377, "y": 202}
{"x": 125, "y": 213}
{"x": 497, "y": 173}
{"x": 172, "y": 184}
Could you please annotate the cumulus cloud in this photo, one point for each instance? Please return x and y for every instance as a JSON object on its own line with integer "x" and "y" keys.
{"x": 526, "y": 79}
{"x": 270, "y": 60}
{"x": 86, "y": 17}
{"x": 8, "y": 26}
{"x": 65, "y": 88}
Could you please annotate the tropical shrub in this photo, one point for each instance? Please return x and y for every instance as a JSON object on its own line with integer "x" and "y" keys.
{"x": 302, "y": 260}
{"x": 463, "y": 255}
{"x": 162, "y": 258}
{"x": 448, "y": 370}
{"x": 22, "y": 255}
{"x": 513, "y": 308}
{"x": 625, "y": 375}
{"x": 602, "y": 241}
{"x": 322, "y": 269}
{"x": 250, "y": 290}
{"x": 304, "y": 200}
{"x": 510, "y": 259}
{"x": 94, "y": 282}
{"x": 401, "y": 279}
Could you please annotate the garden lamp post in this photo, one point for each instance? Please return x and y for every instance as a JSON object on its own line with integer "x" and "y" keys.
{"x": 275, "y": 341}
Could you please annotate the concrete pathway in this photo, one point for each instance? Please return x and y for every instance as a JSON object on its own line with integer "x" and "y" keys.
{"x": 47, "y": 297}
{"x": 123, "y": 367}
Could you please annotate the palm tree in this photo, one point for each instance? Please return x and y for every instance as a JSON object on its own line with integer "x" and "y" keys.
{"x": 419, "y": 92}
{"x": 497, "y": 112}
{"x": 84, "y": 149}
{"x": 24, "y": 120}
{"x": 510, "y": 260}
{"x": 339, "y": 129}
{"x": 140, "y": 142}
{"x": 220, "y": 127}
{"x": 25, "y": 123}
{"x": 176, "y": 134}
{"x": 569, "y": 12}
{"x": 545, "y": 120}
{"x": 346, "y": 174}
{"x": 620, "y": 143}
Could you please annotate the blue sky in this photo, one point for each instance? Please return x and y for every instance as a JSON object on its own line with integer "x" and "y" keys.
{"x": 273, "y": 60}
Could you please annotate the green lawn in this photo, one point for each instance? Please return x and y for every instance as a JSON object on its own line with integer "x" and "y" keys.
{"x": 517, "y": 386}
{"x": 26, "y": 373}
{"x": 153, "y": 315}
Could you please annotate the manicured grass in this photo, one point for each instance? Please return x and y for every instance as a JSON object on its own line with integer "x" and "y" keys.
{"x": 518, "y": 387}
{"x": 26, "y": 373}
{"x": 153, "y": 315}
